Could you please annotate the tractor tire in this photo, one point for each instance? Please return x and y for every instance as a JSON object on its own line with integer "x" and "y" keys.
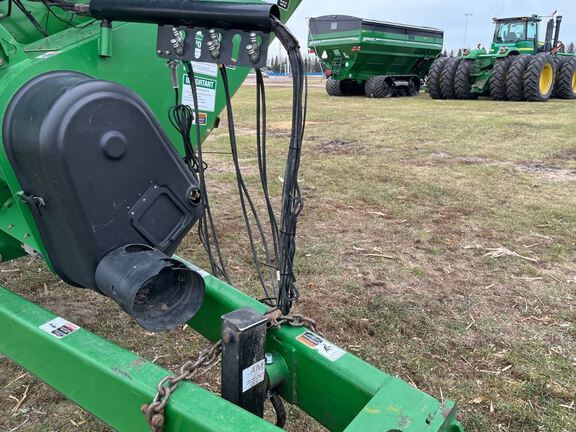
{"x": 333, "y": 87}
{"x": 498, "y": 79}
{"x": 558, "y": 62}
{"x": 433, "y": 80}
{"x": 447, "y": 78}
{"x": 462, "y": 84}
{"x": 539, "y": 78}
{"x": 379, "y": 87}
{"x": 515, "y": 78}
{"x": 566, "y": 82}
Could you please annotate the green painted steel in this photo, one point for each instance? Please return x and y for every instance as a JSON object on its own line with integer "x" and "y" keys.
{"x": 25, "y": 54}
{"x": 339, "y": 394}
{"x": 364, "y": 48}
{"x": 108, "y": 381}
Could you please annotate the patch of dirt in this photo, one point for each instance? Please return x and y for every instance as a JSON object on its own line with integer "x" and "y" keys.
{"x": 566, "y": 155}
{"x": 552, "y": 173}
{"x": 340, "y": 147}
{"x": 549, "y": 172}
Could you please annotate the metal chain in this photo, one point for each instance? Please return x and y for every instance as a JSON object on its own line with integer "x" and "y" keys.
{"x": 299, "y": 321}
{"x": 154, "y": 411}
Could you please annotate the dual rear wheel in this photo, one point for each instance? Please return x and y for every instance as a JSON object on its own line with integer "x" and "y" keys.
{"x": 533, "y": 78}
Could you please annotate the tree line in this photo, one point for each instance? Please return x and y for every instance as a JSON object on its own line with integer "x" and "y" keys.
{"x": 280, "y": 64}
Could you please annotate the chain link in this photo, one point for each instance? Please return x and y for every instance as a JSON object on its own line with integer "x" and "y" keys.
{"x": 299, "y": 321}
{"x": 154, "y": 411}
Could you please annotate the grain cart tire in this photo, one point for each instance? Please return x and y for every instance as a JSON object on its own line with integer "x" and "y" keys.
{"x": 414, "y": 86}
{"x": 447, "y": 78}
{"x": 498, "y": 79}
{"x": 515, "y": 78}
{"x": 379, "y": 87}
{"x": 349, "y": 87}
{"x": 539, "y": 78}
{"x": 333, "y": 87}
{"x": 462, "y": 84}
{"x": 566, "y": 82}
{"x": 433, "y": 80}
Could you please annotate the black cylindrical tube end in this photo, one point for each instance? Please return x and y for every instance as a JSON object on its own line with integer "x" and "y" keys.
{"x": 189, "y": 13}
{"x": 159, "y": 292}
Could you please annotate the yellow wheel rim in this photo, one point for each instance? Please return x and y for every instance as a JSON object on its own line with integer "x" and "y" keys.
{"x": 574, "y": 82}
{"x": 546, "y": 79}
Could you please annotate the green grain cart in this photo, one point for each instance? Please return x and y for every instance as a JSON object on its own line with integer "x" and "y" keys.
{"x": 379, "y": 59}
{"x": 518, "y": 67}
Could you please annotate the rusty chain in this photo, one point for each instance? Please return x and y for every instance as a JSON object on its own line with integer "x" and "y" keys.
{"x": 154, "y": 411}
{"x": 298, "y": 321}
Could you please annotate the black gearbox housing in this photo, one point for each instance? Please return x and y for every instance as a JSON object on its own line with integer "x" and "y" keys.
{"x": 101, "y": 175}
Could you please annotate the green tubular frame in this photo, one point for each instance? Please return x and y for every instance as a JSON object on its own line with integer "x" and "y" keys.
{"x": 346, "y": 395}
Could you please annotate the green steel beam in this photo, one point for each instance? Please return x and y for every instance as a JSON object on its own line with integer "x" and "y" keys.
{"x": 342, "y": 393}
{"x": 108, "y": 381}
{"x": 335, "y": 393}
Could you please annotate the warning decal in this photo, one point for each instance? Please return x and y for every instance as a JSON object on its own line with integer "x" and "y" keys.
{"x": 59, "y": 328}
{"x": 203, "y": 119}
{"x": 253, "y": 375}
{"x": 321, "y": 346}
{"x": 284, "y": 4}
{"x": 209, "y": 69}
{"x": 206, "y": 89}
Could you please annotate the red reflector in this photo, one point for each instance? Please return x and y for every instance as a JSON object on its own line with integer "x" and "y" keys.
{"x": 328, "y": 73}
{"x": 311, "y": 51}
{"x": 356, "y": 48}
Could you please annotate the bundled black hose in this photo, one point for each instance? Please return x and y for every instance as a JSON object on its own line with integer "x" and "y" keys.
{"x": 261, "y": 146}
{"x": 245, "y": 198}
{"x": 206, "y": 227}
{"x": 292, "y": 203}
{"x": 280, "y": 290}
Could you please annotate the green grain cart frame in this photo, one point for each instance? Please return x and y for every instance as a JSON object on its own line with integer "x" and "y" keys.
{"x": 378, "y": 59}
{"x": 518, "y": 66}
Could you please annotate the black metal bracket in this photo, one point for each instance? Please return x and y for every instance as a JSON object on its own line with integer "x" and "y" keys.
{"x": 243, "y": 359}
{"x": 215, "y": 45}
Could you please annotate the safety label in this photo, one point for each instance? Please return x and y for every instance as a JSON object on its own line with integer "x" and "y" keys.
{"x": 284, "y": 4}
{"x": 321, "y": 346}
{"x": 253, "y": 376}
{"x": 203, "y": 119}
{"x": 59, "y": 328}
{"x": 208, "y": 69}
{"x": 206, "y": 89}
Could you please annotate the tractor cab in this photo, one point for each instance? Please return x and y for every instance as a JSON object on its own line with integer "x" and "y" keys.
{"x": 517, "y": 34}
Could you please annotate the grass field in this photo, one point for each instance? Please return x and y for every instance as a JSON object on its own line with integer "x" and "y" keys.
{"x": 438, "y": 243}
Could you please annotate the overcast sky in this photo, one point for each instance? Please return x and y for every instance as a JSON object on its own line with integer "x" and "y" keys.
{"x": 448, "y": 15}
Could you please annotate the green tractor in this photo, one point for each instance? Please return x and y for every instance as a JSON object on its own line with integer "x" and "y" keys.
{"x": 518, "y": 66}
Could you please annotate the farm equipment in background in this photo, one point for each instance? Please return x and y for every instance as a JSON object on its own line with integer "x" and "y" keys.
{"x": 518, "y": 66}
{"x": 378, "y": 59}
{"x": 106, "y": 105}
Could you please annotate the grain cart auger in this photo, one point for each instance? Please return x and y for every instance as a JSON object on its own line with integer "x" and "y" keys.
{"x": 518, "y": 67}
{"x": 378, "y": 59}
{"x": 106, "y": 105}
